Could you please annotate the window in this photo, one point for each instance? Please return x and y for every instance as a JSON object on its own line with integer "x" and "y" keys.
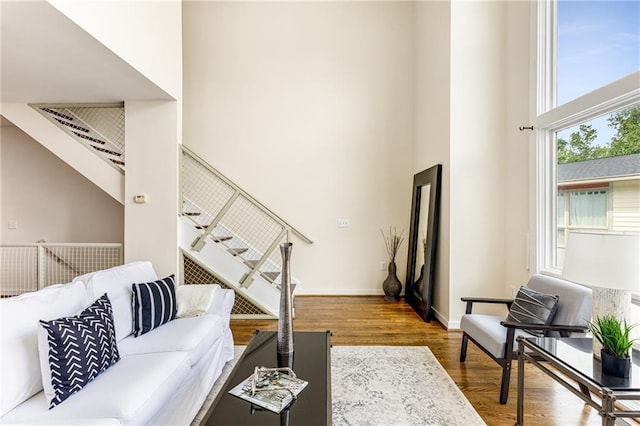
{"x": 593, "y": 37}
{"x": 581, "y": 209}
{"x": 587, "y": 121}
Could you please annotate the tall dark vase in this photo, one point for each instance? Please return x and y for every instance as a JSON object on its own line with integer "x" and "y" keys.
{"x": 285, "y": 317}
{"x": 392, "y": 285}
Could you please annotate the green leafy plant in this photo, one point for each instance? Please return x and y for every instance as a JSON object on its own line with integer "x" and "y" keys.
{"x": 613, "y": 334}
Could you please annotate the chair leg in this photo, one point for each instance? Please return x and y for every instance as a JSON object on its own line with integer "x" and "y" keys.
{"x": 463, "y": 347}
{"x": 506, "y": 368}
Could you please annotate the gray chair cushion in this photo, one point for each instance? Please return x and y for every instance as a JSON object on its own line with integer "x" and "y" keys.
{"x": 487, "y": 331}
{"x": 574, "y": 300}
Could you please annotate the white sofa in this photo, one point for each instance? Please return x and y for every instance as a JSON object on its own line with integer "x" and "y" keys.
{"x": 162, "y": 377}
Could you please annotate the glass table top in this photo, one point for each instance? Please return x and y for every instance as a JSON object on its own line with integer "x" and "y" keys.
{"x": 577, "y": 355}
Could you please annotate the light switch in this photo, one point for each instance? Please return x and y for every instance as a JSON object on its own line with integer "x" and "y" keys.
{"x": 13, "y": 224}
{"x": 141, "y": 198}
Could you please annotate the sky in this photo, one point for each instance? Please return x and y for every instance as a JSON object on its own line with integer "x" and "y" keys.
{"x": 598, "y": 42}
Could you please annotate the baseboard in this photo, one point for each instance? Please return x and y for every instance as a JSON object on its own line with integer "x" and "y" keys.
{"x": 449, "y": 325}
{"x": 340, "y": 292}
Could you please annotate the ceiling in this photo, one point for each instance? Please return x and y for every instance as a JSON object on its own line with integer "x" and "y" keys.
{"x": 46, "y": 58}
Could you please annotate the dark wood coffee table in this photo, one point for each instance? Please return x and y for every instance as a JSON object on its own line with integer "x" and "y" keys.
{"x": 311, "y": 362}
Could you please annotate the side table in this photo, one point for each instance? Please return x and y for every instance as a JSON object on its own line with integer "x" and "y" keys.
{"x": 570, "y": 362}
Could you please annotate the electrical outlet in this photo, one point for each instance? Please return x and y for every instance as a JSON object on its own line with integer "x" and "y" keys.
{"x": 343, "y": 223}
{"x": 383, "y": 266}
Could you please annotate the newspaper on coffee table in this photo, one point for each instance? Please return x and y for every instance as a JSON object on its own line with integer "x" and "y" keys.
{"x": 270, "y": 388}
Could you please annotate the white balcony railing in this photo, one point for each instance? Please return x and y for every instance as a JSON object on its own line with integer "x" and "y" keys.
{"x": 31, "y": 267}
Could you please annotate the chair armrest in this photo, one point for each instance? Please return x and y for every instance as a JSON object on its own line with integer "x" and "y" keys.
{"x": 471, "y": 300}
{"x": 564, "y": 330}
{"x": 485, "y": 300}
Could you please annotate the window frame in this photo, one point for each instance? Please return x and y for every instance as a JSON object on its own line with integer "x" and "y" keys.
{"x": 567, "y": 193}
{"x": 547, "y": 119}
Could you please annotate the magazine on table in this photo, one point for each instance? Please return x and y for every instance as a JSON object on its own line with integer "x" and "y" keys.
{"x": 270, "y": 388}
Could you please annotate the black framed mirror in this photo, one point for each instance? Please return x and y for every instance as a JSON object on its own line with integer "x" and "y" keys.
{"x": 423, "y": 241}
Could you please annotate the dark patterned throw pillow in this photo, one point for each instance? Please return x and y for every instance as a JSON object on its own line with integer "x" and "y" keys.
{"x": 153, "y": 304}
{"x": 533, "y": 307}
{"x": 80, "y": 348}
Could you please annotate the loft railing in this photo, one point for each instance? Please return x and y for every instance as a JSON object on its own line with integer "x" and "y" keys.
{"x": 229, "y": 216}
{"x": 31, "y": 267}
{"x": 96, "y": 126}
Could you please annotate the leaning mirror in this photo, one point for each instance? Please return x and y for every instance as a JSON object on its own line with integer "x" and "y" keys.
{"x": 423, "y": 241}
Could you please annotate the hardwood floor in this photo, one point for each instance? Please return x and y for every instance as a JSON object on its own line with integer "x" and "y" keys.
{"x": 371, "y": 321}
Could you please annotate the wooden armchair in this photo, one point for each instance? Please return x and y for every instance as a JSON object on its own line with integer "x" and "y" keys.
{"x": 495, "y": 335}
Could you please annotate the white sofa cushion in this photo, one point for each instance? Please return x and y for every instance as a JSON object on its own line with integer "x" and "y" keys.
{"x": 75, "y": 350}
{"x": 20, "y": 376}
{"x": 117, "y": 282}
{"x": 132, "y": 391}
{"x": 192, "y": 335}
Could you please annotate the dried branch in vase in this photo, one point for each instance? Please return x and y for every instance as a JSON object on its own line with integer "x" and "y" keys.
{"x": 392, "y": 242}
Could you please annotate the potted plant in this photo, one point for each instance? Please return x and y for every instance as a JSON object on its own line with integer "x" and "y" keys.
{"x": 613, "y": 335}
{"x": 392, "y": 285}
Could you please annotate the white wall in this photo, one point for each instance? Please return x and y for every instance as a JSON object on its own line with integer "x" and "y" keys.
{"x": 50, "y": 200}
{"x": 432, "y": 122}
{"x": 309, "y": 107}
{"x": 146, "y": 34}
{"x": 151, "y": 152}
{"x": 471, "y": 96}
{"x": 516, "y": 226}
{"x": 477, "y": 150}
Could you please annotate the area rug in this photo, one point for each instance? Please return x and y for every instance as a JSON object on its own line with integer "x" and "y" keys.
{"x": 386, "y": 385}
{"x": 395, "y": 385}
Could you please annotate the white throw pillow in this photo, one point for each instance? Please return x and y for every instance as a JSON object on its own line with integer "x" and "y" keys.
{"x": 20, "y": 376}
{"x": 116, "y": 282}
{"x": 195, "y": 299}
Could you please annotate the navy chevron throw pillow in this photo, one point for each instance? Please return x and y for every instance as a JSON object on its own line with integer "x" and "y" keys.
{"x": 154, "y": 304}
{"x": 80, "y": 348}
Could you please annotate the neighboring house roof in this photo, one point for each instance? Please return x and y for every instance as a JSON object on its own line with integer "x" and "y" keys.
{"x": 600, "y": 169}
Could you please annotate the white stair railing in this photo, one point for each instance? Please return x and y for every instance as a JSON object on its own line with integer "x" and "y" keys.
{"x": 31, "y": 267}
{"x": 229, "y": 216}
{"x": 243, "y": 229}
{"x": 96, "y": 126}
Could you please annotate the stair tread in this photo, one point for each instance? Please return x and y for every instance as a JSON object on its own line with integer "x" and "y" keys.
{"x": 89, "y": 138}
{"x": 192, "y": 213}
{"x": 237, "y": 251}
{"x": 106, "y": 151}
{"x": 271, "y": 276}
{"x": 220, "y": 238}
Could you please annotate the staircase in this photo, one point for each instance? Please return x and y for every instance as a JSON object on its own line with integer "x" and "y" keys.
{"x": 224, "y": 234}
{"x": 98, "y": 127}
{"x": 222, "y": 225}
